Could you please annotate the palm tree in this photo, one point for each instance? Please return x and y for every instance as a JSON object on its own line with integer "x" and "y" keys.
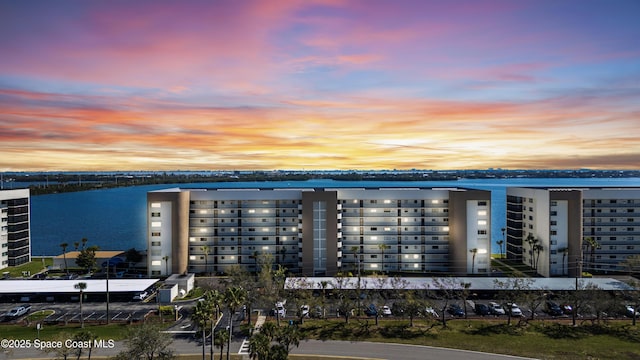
{"x": 592, "y": 244}
{"x": 537, "y": 248}
{"x": 473, "y": 251}
{"x": 76, "y": 245}
{"x": 223, "y": 338}
{"x": 64, "y": 255}
{"x": 166, "y": 264}
{"x": 382, "y": 247}
{"x": 531, "y": 240}
{"x": 206, "y": 250}
{"x": 81, "y": 286}
{"x": 202, "y": 312}
{"x": 214, "y": 299}
{"x": 84, "y": 242}
{"x": 564, "y": 252}
{"x": 233, "y": 298}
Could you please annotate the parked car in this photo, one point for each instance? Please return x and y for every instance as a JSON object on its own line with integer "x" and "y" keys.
{"x": 17, "y": 311}
{"x": 515, "y": 310}
{"x": 566, "y": 309}
{"x": 140, "y": 296}
{"x": 429, "y": 311}
{"x": 280, "y": 309}
{"x": 455, "y": 310}
{"x": 482, "y": 309}
{"x": 553, "y": 309}
{"x": 371, "y": 310}
{"x": 385, "y": 311}
{"x": 496, "y": 309}
{"x": 630, "y": 311}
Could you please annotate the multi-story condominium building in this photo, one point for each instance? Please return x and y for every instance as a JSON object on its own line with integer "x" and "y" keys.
{"x": 15, "y": 238}
{"x": 320, "y": 231}
{"x": 544, "y": 229}
{"x": 560, "y": 232}
{"x": 611, "y": 227}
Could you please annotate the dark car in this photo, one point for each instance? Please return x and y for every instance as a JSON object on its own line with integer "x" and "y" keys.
{"x": 553, "y": 309}
{"x": 455, "y": 310}
{"x": 482, "y": 309}
{"x": 371, "y": 310}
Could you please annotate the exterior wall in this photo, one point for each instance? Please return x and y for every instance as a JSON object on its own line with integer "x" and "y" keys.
{"x": 315, "y": 231}
{"x": 565, "y": 233}
{"x": 167, "y": 232}
{"x": 612, "y": 218}
{"x": 15, "y": 227}
{"x": 470, "y": 231}
{"x": 319, "y": 226}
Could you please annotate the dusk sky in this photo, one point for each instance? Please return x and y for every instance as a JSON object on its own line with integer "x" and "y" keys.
{"x": 319, "y": 84}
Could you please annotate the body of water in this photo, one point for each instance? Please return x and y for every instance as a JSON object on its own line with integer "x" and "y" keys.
{"x": 115, "y": 219}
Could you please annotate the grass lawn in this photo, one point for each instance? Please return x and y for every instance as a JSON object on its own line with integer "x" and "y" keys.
{"x": 33, "y": 267}
{"x": 50, "y": 332}
{"x": 543, "y": 340}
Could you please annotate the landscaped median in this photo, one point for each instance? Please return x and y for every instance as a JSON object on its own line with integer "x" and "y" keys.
{"x": 615, "y": 340}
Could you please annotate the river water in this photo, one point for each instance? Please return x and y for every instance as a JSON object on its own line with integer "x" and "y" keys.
{"x": 114, "y": 219}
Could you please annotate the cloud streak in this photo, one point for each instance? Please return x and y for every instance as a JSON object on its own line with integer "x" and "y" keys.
{"x": 318, "y": 85}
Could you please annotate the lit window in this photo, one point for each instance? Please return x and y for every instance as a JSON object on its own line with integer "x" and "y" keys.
{"x": 284, "y": 238}
{"x": 416, "y": 265}
{"x": 482, "y": 222}
{"x": 265, "y": 229}
{"x": 251, "y": 211}
{"x": 155, "y": 205}
{"x": 192, "y": 239}
{"x": 374, "y": 266}
{"x": 265, "y": 248}
{"x": 387, "y": 229}
{"x": 156, "y": 263}
{"x": 355, "y": 201}
{"x": 445, "y": 228}
{"x": 203, "y": 230}
{"x": 374, "y": 238}
{"x": 374, "y": 210}
{"x": 265, "y": 211}
{"x": 222, "y": 211}
{"x": 294, "y": 228}
{"x": 355, "y": 228}
{"x": 192, "y": 257}
{"x": 203, "y": 211}
{"x": 387, "y": 201}
{"x": 434, "y": 201}
{"x": 482, "y": 213}
{"x": 415, "y": 256}
{"x": 156, "y": 224}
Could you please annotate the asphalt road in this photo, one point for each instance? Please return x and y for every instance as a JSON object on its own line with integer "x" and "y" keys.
{"x": 367, "y": 350}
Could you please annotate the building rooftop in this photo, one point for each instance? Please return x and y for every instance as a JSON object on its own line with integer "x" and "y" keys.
{"x": 67, "y": 286}
{"x": 430, "y": 283}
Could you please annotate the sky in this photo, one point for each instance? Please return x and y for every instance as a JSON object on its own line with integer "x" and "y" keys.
{"x": 319, "y": 85}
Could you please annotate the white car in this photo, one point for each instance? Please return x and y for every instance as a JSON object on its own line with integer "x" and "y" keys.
{"x": 431, "y": 312}
{"x": 18, "y": 311}
{"x": 496, "y": 309}
{"x": 515, "y": 310}
{"x": 386, "y": 311}
{"x": 280, "y": 309}
{"x": 140, "y": 296}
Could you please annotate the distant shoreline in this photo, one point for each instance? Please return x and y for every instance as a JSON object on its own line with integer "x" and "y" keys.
{"x": 52, "y": 183}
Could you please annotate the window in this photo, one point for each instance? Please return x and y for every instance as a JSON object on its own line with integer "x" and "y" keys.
{"x": 155, "y": 233}
{"x": 155, "y": 243}
{"x": 155, "y": 214}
